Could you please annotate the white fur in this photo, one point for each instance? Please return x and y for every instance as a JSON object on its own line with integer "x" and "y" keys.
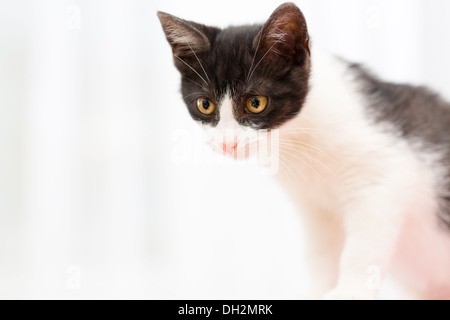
{"x": 373, "y": 193}
{"x": 368, "y": 197}
{"x": 229, "y": 131}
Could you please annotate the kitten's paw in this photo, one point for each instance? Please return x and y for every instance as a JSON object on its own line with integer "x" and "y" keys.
{"x": 340, "y": 294}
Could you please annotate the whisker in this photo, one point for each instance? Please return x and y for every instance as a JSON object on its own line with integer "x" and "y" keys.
{"x": 190, "y": 47}
{"x": 195, "y": 82}
{"x": 201, "y": 65}
{"x": 192, "y": 94}
{"x": 300, "y": 148}
{"x": 312, "y": 134}
{"x": 251, "y": 74}
{"x": 303, "y": 151}
{"x": 301, "y": 143}
{"x": 191, "y": 68}
{"x": 306, "y": 130}
{"x": 285, "y": 158}
{"x": 286, "y": 166}
{"x": 253, "y": 60}
{"x": 303, "y": 160}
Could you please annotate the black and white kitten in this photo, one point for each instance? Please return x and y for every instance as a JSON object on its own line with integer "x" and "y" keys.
{"x": 368, "y": 162}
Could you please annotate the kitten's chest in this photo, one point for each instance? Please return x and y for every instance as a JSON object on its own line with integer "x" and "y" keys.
{"x": 327, "y": 171}
{"x": 326, "y": 174}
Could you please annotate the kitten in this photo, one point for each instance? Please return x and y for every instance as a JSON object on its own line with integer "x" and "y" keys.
{"x": 366, "y": 161}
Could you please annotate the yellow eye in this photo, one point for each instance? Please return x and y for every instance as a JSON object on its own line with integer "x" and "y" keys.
{"x": 257, "y": 104}
{"x": 205, "y": 106}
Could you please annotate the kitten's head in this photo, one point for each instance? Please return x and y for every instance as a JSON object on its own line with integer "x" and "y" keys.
{"x": 239, "y": 80}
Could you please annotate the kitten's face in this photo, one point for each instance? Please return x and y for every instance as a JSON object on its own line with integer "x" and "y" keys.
{"x": 240, "y": 80}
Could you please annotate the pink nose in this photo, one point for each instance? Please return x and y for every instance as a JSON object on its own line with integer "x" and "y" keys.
{"x": 229, "y": 147}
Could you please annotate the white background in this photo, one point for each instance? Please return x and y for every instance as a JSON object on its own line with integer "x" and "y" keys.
{"x": 94, "y": 202}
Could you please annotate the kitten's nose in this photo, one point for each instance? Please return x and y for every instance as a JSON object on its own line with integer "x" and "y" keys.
{"x": 229, "y": 147}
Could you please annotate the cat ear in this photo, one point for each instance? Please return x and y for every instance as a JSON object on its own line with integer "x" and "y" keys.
{"x": 284, "y": 35}
{"x": 186, "y": 38}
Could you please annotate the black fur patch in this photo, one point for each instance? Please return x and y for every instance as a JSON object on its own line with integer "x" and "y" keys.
{"x": 270, "y": 60}
{"x": 418, "y": 113}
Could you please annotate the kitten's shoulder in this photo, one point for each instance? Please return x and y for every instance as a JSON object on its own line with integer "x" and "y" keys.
{"x": 417, "y": 111}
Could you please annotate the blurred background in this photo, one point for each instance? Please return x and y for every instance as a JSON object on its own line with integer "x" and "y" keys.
{"x": 106, "y": 190}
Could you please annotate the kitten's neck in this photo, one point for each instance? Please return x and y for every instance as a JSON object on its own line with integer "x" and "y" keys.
{"x": 332, "y": 121}
{"x": 333, "y": 101}
{"x": 333, "y": 96}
